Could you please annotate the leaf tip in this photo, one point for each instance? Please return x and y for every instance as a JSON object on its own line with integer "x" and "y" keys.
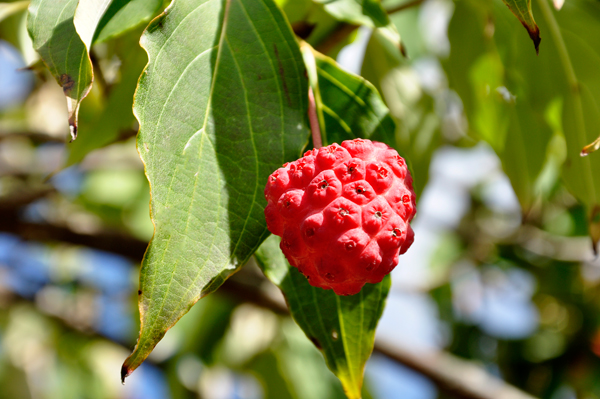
{"x": 534, "y": 34}
{"x": 588, "y": 149}
{"x": 73, "y": 130}
{"x": 125, "y": 372}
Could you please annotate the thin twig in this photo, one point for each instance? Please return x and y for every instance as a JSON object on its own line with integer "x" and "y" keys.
{"x": 336, "y": 37}
{"x": 314, "y": 120}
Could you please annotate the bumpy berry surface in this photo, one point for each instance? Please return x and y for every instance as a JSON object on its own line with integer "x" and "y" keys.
{"x": 343, "y": 213}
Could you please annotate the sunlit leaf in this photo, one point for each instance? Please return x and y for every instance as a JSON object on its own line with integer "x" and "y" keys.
{"x": 360, "y": 12}
{"x": 342, "y": 327}
{"x": 221, "y": 104}
{"x": 522, "y": 10}
{"x": 99, "y": 20}
{"x": 363, "y": 12}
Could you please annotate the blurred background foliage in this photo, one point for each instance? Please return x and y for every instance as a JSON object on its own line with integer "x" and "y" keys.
{"x": 503, "y": 271}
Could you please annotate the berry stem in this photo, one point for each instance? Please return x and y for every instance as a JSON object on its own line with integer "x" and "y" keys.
{"x": 314, "y": 120}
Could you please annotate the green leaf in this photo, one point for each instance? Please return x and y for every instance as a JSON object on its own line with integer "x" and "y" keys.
{"x": 99, "y": 20}
{"x": 348, "y": 106}
{"x": 504, "y": 91}
{"x": 522, "y": 10}
{"x": 267, "y": 369}
{"x": 363, "y": 12}
{"x": 342, "y": 327}
{"x": 63, "y": 32}
{"x": 113, "y": 119}
{"x": 221, "y": 104}
{"x": 417, "y": 133}
{"x": 50, "y": 25}
{"x": 575, "y": 33}
{"x": 360, "y": 12}
{"x": 302, "y": 365}
{"x": 8, "y": 9}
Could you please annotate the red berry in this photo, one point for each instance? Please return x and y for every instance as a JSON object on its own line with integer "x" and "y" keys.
{"x": 343, "y": 212}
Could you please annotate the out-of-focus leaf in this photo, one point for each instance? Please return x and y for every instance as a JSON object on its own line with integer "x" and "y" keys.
{"x": 8, "y": 9}
{"x": 581, "y": 113}
{"x": 97, "y": 21}
{"x": 417, "y": 133}
{"x": 50, "y": 25}
{"x": 302, "y": 365}
{"x": 571, "y": 64}
{"x": 592, "y": 147}
{"x": 360, "y": 12}
{"x": 504, "y": 96}
{"x": 522, "y": 10}
{"x": 204, "y": 326}
{"x": 275, "y": 386}
{"x": 364, "y": 12}
{"x": 342, "y": 327}
{"x": 221, "y": 104}
{"x": 348, "y": 106}
{"x": 295, "y": 10}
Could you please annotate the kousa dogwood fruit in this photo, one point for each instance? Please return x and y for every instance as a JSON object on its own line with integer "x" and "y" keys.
{"x": 343, "y": 213}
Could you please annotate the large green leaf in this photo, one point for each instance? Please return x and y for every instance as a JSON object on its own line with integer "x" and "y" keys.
{"x": 522, "y": 10}
{"x": 50, "y": 25}
{"x": 221, "y": 104}
{"x": 348, "y": 106}
{"x": 342, "y": 327}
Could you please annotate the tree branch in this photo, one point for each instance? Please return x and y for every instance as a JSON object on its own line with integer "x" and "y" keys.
{"x": 458, "y": 377}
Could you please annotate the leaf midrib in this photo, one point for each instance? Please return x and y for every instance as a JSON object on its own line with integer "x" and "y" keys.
{"x": 203, "y": 130}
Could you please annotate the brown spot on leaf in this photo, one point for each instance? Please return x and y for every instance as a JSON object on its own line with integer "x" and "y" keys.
{"x": 67, "y": 83}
